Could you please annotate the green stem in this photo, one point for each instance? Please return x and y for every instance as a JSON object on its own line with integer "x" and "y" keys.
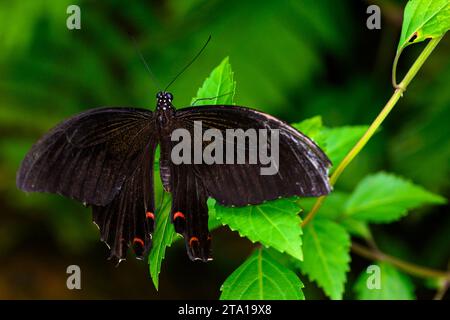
{"x": 442, "y": 290}
{"x": 394, "y": 69}
{"x": 367, "y": 136}
{"x": 407, "y": 267}
{"x": 398, "y": 93}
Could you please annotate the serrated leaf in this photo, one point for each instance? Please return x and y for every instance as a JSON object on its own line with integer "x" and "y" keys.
{"x": 394, "y": 285}
{"x": 333, "y": 208}
{"x": 335, "y": 142}
{"x": 326, "y": 247}
{"x": 424, "y": 19}
{"x": 163, "y": 237}
{"x": 356, "y": 228}
{"x": 213, "y": 222}
{"x": 261, "y": 277}
{"x": 383, "y": 197}
{"x": 274, "y": 224}
{"x": 218, "y": 88}
{"x": 340, "y": 140}
{"x": 313, "y": 128}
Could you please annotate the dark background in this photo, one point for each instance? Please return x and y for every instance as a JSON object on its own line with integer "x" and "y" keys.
{"x": 293, "y": 59}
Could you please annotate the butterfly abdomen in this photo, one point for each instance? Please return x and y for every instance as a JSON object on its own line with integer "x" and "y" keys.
{"x": 164, "y": 172}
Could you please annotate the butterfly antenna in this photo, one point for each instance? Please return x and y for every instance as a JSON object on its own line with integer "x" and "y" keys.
{"x": 189, "y": 64}
{"x": 211, "y": 98}
{"x": 152, "y": 75}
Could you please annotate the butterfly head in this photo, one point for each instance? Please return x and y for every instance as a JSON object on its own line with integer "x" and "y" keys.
{"x": 164, "y": 100}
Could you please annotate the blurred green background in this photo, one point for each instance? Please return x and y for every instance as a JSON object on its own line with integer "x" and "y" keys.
{"x": 293, "y": 59}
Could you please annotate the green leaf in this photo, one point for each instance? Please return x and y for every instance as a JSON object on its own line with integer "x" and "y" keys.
{"x": 356, "y": 228}
{"x": 394, "y": 285}
{"x": 384, "y": 198}
{"x": 163, "y": 237}
{"x": 275, "y": 224}
{"x": 313, "y": 128}
{"x": 213, "y": 222}
{"x": 336, "y": 142}
{"x": 340, "y": 140}
{"x": 261, "y": 277}
{"x": 218, "y": 88}
{"x": 424, "y": 19}
{"x": 333, "y": 208}
{"x": 326, "y": 249}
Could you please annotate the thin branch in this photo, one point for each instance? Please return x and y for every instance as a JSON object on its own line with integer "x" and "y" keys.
{"x": 408, "y": 267}
{"x": 442, "y": 290}
{"x": 398, "y": 93}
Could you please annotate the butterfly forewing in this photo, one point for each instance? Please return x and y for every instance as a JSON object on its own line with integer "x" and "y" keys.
{"x": 302, "y": 168}
{"x": 89, "y": 156}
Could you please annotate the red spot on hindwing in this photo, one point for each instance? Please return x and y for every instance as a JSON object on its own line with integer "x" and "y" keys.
{"x": 179, "y": 214}
{"x": 192, "y": 240}
{"x": 150, "y": 215}
{"x": 139, "y": 241}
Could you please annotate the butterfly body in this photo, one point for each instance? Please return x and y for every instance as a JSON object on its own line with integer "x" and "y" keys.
{"x": 104, "y": 158}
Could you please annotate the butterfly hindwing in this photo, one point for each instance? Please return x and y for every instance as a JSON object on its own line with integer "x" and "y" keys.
{"x": 189, "y": 212}
{"x": 129, "y": 219}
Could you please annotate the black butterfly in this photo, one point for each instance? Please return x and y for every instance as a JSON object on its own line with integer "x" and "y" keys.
{"x": 104, "y": 158}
